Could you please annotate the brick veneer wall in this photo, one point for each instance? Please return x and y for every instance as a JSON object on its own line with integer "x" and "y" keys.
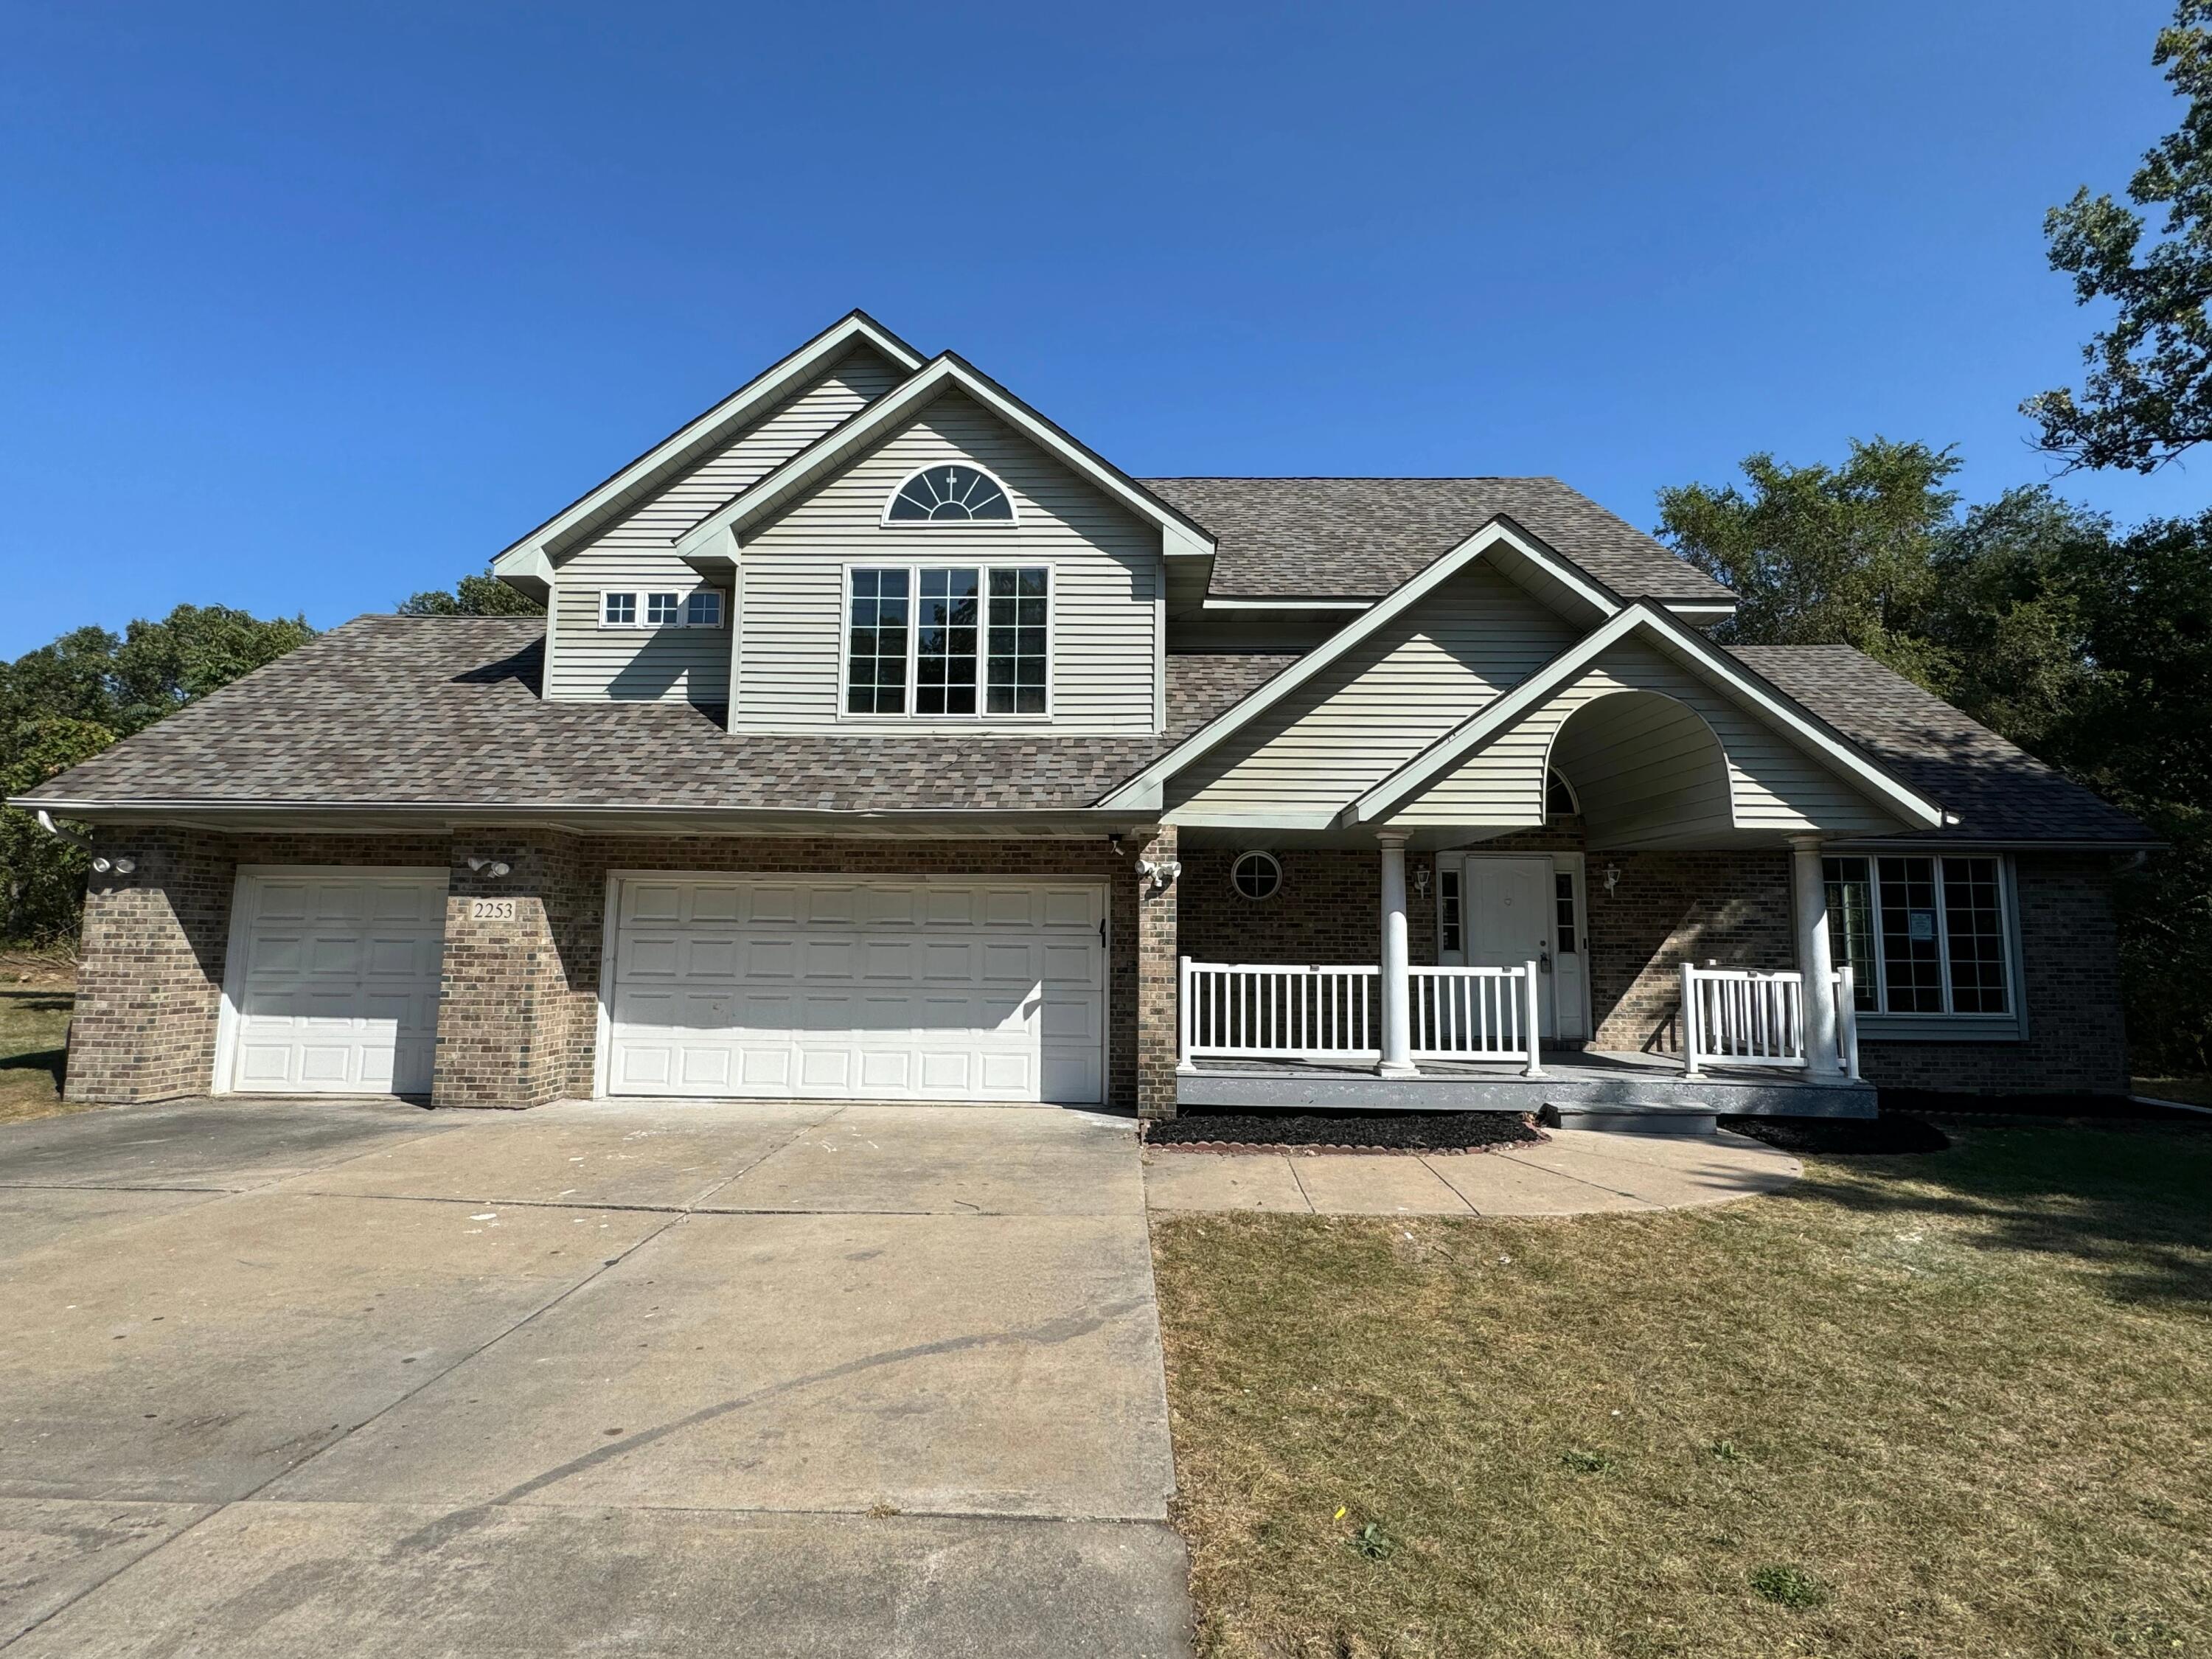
{"x": 154, "y": 947}
{"x": 2077, "y": 1039}
{"x": 1158, "y": 905}
{"x": 1328, "y": 910}
{"x": 509, "y": 988}
{"x": 1731, "y": 907}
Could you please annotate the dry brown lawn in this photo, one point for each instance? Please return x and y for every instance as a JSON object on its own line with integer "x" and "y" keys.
{"x": 1953, "y": 1405}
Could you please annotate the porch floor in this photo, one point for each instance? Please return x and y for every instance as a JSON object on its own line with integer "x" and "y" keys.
{"x": 1573, "y": 1076}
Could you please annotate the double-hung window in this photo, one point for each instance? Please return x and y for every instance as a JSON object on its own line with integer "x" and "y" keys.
{"x": 1923, "y": 934}
{"x": 949, "y": 641}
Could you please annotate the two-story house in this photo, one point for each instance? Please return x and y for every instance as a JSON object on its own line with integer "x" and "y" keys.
{"x": 881, "y": 740}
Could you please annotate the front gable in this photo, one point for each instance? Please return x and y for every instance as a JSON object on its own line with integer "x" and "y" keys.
{"x": 633, "y": 550}
{"x": 1373, "y": 708}
{"x": 794, "y": 575}
{"x": 1657, "y": 757}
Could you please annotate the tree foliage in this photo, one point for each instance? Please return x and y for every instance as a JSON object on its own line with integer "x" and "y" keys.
{"x": 2089, "y": 647}
{"x": 471, "y": 596}
{"x": 66, "y": 701}
{"x": 2148, "y": 394}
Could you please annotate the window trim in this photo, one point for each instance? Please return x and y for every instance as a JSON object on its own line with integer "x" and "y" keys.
{"x": 1942, "y": 1025}
{"x": 1271, "y": 862}
{"x": 641, "y": 598}
{"x": 1013, "y": 506}
{"x": 913, "y": 567}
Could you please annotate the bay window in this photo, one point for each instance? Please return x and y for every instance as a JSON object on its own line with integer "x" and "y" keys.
{"x": 968, "y": 639}
{"x": 1924, "y": 934}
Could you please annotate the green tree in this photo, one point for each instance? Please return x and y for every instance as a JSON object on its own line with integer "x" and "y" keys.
{"x": 473, "y": 596}
{"x": 66, "y": 701}
{"x": 1823, "y": 555}
{"x": 2148, "y": 394}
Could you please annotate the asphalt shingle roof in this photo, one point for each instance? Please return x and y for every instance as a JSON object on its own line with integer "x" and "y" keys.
{"x": 441, "y": 710}
{"x": 444, "y": 711}
{"x": 1999, "y": 791}
{"x": 1362, "y": 538}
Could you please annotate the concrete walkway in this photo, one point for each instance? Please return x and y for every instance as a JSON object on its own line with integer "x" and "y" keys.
{"x": 1576, "y": 1172}
{"x": 319, "y": 1378}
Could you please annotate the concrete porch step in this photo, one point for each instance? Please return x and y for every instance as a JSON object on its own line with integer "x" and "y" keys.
{"x": 1633, "y": 1117}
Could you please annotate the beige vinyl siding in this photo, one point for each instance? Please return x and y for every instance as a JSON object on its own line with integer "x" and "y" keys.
{"x": 1773, "y": 784}
{"x": 1107, "y": 580}
{"x": 634, "y": 553}
{"x": 1371, "y": 711}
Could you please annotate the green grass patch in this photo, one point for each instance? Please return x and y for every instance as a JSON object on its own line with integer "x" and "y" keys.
{"x": 1948, "y": 1405}
{"x": 34, "y": 1037}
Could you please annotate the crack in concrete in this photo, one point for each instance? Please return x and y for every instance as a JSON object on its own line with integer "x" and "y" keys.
{"x": 1051, "y": 1330}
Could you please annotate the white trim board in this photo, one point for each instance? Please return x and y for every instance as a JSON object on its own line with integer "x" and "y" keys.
{"x": 1837, "y": 751}
{"x": 831, "y": 453}
{"x": 1500, "y": 531}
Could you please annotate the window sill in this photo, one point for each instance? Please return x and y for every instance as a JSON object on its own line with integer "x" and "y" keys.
{"x": 1941, "y": 1027}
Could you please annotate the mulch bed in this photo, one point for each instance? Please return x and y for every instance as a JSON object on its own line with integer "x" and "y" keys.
{"x": 1889, "y": 1133}
{"x": 2079, "y": 1106}
{"x": 1344, "y": 1132}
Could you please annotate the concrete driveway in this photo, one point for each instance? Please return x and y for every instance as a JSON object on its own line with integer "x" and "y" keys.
{"x": 293, "y": 1378}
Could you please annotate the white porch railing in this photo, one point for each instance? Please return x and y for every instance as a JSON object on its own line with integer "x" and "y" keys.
{"x": 1741, "y": 1016}
{"x": 1477, "y": 1014}
{"x": 1283, "y": 1011}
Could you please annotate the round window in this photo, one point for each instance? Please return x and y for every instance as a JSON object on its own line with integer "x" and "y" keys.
{"x": 1255, "y": 875}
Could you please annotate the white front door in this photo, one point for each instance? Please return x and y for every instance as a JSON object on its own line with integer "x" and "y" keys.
{"x": 829, "y": 987}
{"x": 333, "y": 982}
{"x": 1521, "y": 908}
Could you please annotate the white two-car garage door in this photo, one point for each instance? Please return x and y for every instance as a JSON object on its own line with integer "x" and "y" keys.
{"x": 332, "y": 981}
{"x": 868, "y": 989}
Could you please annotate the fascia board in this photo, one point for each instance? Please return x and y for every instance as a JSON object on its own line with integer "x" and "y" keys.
{"x": 1500, "y": 530}
{"x": 762, "y": 391}
{"x": 1179, "y": 537}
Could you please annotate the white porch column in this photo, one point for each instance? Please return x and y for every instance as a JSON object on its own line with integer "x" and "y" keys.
{"x": 1397, "y": 981}
{"x": 1811, "y": 905}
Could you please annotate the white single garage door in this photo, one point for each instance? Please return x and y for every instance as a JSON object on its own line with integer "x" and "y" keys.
{"x": 877, "y": 989}
{"x": 332, "y": 981}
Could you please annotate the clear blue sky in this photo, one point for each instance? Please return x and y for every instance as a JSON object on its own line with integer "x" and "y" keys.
{"x": 305, "y": 308}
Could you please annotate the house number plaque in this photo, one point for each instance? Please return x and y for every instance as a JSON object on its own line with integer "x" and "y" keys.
{"x": 491, "y": 909}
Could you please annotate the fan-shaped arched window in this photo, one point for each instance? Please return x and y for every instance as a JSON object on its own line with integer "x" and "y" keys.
{"x": 950, "y": 494}
{"x": 1559, "y": 797}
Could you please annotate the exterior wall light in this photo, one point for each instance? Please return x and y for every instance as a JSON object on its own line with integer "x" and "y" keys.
{"x": 491, "y": 868}
{"x": 1612, "y": 878}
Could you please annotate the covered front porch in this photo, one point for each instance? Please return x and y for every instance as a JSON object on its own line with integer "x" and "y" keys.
{"x": 1517, "y": 973}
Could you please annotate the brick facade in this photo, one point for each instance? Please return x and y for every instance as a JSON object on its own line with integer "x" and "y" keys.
{"x": 519, "y": 1013}
{"x": 2076, "y": 1040}
{"x": 1669, "y": 908}
{"x": 1157, "y": 904}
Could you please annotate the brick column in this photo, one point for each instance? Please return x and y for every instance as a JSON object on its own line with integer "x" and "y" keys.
{"x": 512, "y": 1025}
{"x": 149, "y": 982}
{"x": 1156, "y": 982}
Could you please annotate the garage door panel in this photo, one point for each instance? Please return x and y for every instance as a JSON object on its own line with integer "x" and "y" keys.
{"x": 1016, "y": 963}
{"x": 827, "y": 958}
{"x": 1070, "y": 907}
{"x": 892, "y": 959}
{"x": 336, "y": 983}
{"x": 872, "y": 989}
{"x": 828, "y": 905}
